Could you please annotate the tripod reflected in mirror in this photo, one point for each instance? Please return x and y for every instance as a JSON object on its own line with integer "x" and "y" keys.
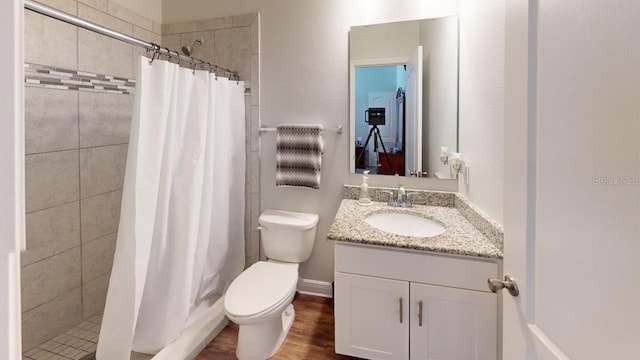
{"x": 375, "y": 117}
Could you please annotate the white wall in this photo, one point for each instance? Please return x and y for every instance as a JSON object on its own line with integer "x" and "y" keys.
{"x": 304, "y": 78}
{"x": 12, "y": 179}
{"x": 482, "y": 34}
{"x": 151, "y": 9}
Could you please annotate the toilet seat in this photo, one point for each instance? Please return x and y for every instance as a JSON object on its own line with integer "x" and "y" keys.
{"x": 260, "y": 289}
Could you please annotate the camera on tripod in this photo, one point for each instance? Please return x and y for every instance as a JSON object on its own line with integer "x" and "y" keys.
{"x": 375, "y": 116}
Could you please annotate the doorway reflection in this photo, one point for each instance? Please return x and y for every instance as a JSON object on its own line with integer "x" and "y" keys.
{"x": 380, "y": 87}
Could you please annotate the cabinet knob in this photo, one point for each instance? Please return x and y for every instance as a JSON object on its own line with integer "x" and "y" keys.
{"x": 509, "y": 283}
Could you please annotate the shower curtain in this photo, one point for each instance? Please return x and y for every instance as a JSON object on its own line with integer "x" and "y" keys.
{"x": 181, "y": 234}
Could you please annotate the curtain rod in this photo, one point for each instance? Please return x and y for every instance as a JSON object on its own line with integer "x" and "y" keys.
{"x": 70, "y": 19}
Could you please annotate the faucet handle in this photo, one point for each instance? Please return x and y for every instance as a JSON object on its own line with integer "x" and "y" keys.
{"x": 390, "y": 193}
{"x": 409, "y": 195}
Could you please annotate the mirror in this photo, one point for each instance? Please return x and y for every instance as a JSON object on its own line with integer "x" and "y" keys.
{"x": 404, "y": 97}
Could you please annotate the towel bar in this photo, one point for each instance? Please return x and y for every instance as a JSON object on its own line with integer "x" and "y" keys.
{"x": 337, "y": 129}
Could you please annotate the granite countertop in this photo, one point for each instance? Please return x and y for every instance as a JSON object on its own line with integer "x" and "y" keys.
{"x": 460, "y": 238}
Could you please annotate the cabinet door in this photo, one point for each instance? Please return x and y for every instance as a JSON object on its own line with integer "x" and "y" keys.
{"x": 371, "y": 316}
{"x": 456, "y": 324}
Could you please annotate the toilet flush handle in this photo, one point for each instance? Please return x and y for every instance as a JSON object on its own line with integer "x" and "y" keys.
{"x": 262, "y": 228}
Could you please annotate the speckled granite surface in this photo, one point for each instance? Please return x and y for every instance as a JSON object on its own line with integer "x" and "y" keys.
{"x": 490, "y": 228}
{"x": 421, "y": 197}
{"x": 461, "y": 237}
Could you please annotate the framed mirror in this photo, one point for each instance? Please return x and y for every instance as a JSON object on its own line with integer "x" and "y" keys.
{"x": 404, "y": 97}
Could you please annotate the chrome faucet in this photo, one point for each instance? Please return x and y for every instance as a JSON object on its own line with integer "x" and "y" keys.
{"x": 401, "y": 200}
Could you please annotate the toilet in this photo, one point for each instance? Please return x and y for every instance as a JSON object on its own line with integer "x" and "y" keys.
{"x": 259, "y": 299}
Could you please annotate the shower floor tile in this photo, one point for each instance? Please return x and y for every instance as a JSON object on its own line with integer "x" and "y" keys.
{"x": 74, "y": 344}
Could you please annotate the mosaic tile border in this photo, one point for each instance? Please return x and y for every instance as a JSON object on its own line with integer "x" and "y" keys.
{"x": 64, "y": 79}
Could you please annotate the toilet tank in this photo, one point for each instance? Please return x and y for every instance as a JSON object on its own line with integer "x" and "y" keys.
{"x": 288, "y": 236}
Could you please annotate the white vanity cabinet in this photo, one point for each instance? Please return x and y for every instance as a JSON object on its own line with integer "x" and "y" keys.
{"x": 370, "y": 322}
{"x": 400, "y": 304}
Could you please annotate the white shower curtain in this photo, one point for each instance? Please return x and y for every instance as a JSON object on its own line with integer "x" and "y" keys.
{"x": 181, "y": 235}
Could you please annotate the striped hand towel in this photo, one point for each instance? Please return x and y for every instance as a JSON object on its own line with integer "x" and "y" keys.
{"x": 299, "y": 155}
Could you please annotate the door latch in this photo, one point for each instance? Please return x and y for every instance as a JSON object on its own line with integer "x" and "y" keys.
{"x": 509, "y": 283}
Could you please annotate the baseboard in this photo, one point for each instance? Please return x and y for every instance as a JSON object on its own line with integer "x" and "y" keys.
{"x": 315, "y": 287}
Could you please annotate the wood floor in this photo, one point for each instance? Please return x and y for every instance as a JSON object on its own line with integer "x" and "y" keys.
{"x": 311, "y": 336}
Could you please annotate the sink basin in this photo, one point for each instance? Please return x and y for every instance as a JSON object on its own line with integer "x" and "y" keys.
{"x": 405, "y": 224}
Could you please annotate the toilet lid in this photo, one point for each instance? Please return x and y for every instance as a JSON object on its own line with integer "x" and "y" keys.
{"x": 261, "y": 287}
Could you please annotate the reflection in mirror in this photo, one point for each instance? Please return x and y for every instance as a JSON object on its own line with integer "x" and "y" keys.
{"x": 377, "y": 88}
{"x": 404, "y": 97}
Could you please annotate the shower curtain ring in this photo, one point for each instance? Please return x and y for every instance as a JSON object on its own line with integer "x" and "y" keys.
{"x": 193, "y": 65}
{"x": 156, "y": 51}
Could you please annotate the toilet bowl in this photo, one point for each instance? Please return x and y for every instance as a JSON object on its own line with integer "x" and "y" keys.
{"x": 259, "y": 299}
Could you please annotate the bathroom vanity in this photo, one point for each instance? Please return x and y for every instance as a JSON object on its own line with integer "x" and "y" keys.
{"x": 405, "y": 297}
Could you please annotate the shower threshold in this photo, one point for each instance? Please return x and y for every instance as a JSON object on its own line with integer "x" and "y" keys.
{"x": 78, "y": 343}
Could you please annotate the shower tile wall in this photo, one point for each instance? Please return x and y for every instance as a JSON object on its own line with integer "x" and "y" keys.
{"x": 233, "y": 42}
{"x": 76, "y": 144}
